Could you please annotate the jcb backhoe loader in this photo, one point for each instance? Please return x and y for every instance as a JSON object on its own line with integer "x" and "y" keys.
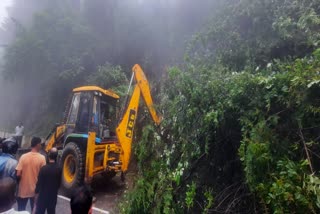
{"x": 90, "y": 139}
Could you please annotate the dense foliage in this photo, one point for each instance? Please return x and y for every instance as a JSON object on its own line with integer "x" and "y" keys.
{"x": 249, "y": 33}
{"x": 214, "y": 119}
{"x": 241, "y": 131}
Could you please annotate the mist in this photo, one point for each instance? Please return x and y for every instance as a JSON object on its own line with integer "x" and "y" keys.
{"x": 53, "y": 46}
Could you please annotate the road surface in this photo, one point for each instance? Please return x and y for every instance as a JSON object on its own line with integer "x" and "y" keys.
{"x": 107, "y": 193}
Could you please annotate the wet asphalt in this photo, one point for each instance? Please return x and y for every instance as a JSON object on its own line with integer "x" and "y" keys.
{"x": 107, "y": 194}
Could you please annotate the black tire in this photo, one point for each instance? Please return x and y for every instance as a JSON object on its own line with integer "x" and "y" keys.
{"x": 72, "y": 163}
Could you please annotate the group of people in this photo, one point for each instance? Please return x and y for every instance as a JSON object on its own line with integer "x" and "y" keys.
{"x": 36, "y": 180}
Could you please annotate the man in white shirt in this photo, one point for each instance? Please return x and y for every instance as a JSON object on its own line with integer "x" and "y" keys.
{"x": 19, "y": 134}
{"x": 7, "y": 196}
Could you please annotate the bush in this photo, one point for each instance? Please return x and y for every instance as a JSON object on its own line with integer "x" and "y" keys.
{"x": 217, "y": 121}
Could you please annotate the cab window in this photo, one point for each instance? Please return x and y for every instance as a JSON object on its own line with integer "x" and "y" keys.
{"x": 72, "y": 118}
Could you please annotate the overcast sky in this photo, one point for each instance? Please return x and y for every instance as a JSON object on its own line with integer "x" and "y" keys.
{"x": 3, "y": 11}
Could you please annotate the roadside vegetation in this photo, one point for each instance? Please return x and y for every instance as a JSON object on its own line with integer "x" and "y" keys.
{"x": 240, "y": 99}
{"x": 241, "y": 127}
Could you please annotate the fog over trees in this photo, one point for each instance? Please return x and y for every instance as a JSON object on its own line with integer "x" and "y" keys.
{"x": 54, "y": 46}
{"x": 237, "y": 83}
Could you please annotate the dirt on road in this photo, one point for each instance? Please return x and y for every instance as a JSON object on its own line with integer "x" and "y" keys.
{"x": 108, "y": 193}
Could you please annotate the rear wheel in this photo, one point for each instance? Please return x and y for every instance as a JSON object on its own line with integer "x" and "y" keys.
{"x": 72, "y": 167}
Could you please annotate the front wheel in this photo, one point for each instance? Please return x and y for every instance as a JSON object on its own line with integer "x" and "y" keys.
{"x": 72, "y": 167}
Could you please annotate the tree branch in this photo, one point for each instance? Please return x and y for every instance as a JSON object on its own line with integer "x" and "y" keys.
{"x": 306, "y": 149}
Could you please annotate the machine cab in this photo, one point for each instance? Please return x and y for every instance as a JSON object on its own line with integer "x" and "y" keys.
{"x": 93, "y": 109}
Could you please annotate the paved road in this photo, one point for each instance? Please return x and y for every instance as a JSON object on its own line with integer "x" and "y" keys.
{"x": 107, "y": 194}
{"x": 63, "y": 207}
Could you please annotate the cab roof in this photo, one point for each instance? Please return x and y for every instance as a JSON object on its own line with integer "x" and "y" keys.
{"x": 109, "y": 93}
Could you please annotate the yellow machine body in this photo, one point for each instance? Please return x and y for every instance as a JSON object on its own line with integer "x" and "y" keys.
{"x": 101, "y": 155}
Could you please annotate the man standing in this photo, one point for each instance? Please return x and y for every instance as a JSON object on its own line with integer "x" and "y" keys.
{"x": 7, "y": 196}
{"x": 48, "y": 184}
{"x": 8, "y": 163}
{"x": 19, "y": 133}
{"x": 27, "y": 170}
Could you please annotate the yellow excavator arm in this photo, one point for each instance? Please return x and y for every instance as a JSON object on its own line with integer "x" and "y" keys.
{"x": 54, "y": 135}
{"x": 145, "y": 91}
{"x": 125, "y": 128}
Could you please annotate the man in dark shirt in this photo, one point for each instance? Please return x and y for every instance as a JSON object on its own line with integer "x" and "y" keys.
{"x": 48, "y": 184}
